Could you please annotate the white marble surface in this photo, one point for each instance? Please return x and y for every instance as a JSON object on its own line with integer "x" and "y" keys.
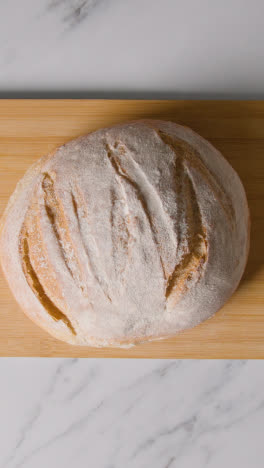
{"x": 131, "y": 413}
{"x": 124, "y": 413}
{"x": 132, "y": 48}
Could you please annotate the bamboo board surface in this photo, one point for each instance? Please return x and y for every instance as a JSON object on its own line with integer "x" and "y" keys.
{"x": 31, "y": 128}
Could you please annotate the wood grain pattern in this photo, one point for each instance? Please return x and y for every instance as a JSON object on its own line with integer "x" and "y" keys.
{"x": 31, "y": 128}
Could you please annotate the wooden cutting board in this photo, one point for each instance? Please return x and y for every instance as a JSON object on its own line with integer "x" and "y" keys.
{"x": 31, "y": 128}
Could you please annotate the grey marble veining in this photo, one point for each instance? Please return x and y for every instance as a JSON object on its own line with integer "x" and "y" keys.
{"x": 131, "y": 413}
{"x": 146, "y": 48}
{"x": 74, "y": 12}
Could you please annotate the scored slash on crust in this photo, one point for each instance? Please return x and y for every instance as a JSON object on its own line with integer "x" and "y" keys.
{"x": 89, "y": 241}
{"x": 194, "y": 251}
{"x": 36, "y": 286}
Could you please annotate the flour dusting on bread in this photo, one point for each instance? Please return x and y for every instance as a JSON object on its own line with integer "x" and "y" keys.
{"x": 128, "y": 234}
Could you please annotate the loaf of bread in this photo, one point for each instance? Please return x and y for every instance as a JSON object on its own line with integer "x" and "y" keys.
{"x": 131, "y": 233}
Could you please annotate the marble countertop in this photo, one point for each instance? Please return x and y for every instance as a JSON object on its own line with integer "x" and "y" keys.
{"x": 131, "y": 48}
{"x": 131, "y": 413}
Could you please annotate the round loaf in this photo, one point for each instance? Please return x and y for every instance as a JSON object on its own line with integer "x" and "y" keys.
{"x": 131, "y": 233}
